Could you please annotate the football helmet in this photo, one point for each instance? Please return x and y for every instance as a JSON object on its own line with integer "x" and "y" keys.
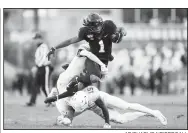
{"x": 94, "y": 21}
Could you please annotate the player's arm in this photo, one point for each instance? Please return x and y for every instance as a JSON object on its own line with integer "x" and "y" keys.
{"x": 68, "y": 42}
{"x": 116, "y": 33}
{"x": 104, "y": 109}
{"x": 78, "y": 38}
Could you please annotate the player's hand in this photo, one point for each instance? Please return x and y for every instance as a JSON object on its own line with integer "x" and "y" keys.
{"x": 52, "y": 51}
{"x": 104, "y": 70}
{"x": 122, "y": 31}
{"x": 50, "y": 99}
{"x": 117, "y": 37}
{"x": 106, "y": 125}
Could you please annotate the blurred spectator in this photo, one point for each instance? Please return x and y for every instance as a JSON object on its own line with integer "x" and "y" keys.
{"x": 18, "y": 83}
{"x": 185, "y": 22}
{"x": 154, "y": 22}
{"x": 121, "y": 80}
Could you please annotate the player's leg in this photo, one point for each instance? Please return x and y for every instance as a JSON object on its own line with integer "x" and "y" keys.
{"x": 117, "y": 117}
{"x": 67, "y": 113}
{"x": 91, "y": 74}
{"x": 115, "y": 102}
{"x": 61, "y": 87}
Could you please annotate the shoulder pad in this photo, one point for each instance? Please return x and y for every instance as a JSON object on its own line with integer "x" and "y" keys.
{"x": 82, "y": 32}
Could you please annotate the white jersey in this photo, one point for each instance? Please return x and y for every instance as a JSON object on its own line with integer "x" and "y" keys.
{"x": 93, "y": 94}
{"x": 40, "y": 55}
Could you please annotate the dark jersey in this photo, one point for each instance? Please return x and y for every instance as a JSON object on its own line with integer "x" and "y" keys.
{"x": 100, "y": 43}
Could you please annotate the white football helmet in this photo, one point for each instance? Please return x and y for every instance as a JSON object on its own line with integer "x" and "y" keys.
{"x": 79, "y": 102}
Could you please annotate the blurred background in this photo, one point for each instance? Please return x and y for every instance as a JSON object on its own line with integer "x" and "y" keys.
{"x": 151, "y": 59}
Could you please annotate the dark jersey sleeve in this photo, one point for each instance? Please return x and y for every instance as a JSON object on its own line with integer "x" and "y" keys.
{"x": 109, "y": 27}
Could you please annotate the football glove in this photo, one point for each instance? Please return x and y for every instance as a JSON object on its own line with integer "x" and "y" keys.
{"x": 117, "y": 37}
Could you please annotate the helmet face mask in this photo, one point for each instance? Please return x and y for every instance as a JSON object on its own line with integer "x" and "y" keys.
{"x": 96, "y": 29}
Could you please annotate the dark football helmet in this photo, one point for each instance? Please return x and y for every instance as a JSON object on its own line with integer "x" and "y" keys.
{"x": 94, "y": 22}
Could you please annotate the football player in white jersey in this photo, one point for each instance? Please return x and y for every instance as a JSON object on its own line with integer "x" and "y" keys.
{"x": 76, "y": 67}
{"x": 92, "y": 99}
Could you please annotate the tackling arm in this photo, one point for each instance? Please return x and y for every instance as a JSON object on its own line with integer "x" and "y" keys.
{"x": 64, "y": 44}
{"x": 101, "y": 105}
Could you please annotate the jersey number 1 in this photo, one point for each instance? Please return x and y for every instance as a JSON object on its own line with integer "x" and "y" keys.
{"x": 101, "y": 47}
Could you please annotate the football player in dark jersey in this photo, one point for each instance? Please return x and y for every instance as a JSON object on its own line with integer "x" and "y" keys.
{"x": 100, "y": 35}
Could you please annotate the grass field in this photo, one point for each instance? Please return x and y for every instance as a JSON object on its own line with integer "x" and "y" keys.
{"x": 17, "y": 116}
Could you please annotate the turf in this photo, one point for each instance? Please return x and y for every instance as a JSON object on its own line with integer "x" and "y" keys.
{"x": 17, "y": 116}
